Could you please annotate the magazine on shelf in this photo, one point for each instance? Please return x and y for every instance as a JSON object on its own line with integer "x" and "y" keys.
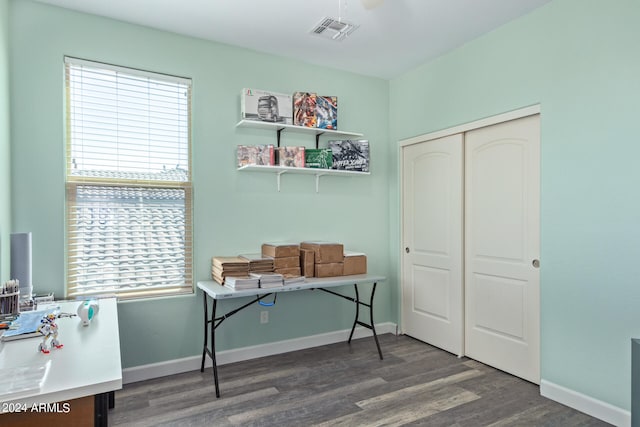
{"x": 304, "y": 109}
{"x": 320, "y": 158}
{"x": 291, "y": 157}
{"x": 264, "y": 106}
{"x": 327, "y": 112}
{"x": 263, "y": 155}
{"x": 350, "y": 155}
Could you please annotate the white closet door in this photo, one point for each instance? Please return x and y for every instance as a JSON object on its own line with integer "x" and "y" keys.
{"x": 502, "y": 227}
{"x": 432, "y": 235}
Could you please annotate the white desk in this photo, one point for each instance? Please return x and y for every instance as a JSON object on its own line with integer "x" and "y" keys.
{"x": 88, "y": 364}
{"x": 218, "y": 292}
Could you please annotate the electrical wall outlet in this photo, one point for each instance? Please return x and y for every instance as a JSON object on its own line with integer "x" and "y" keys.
{"x": 264, "y": 317}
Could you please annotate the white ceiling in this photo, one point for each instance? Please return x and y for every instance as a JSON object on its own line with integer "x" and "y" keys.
{"x": 391, "y": 39}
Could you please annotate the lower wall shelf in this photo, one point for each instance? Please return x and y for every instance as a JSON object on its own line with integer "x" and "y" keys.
{"x": 280, "y": 170}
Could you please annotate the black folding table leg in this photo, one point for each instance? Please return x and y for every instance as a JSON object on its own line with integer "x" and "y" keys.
{"x": 213, "y": 347}
{"x": 355, "y": 321}
{"x": 373, "y": 328}
{"x": 206, "y": 323}
{"x": 370, "y": 325}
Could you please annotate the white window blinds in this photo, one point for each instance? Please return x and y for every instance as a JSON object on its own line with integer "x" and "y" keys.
{"x": 128, "y": 181}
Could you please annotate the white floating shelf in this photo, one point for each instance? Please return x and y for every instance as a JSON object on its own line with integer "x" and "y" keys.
{"x": 292, "y": 128}
{"x": 280, "y": 170}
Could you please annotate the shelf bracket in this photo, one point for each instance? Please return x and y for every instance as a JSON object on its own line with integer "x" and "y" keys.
{"x": 279, "y": 131}
{"x": 278, "y": 178}
{"x": 318, "y": 139}
{"x": 318, "y": 175}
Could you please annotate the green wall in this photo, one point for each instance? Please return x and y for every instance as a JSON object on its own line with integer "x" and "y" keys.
{"x": 5, "y": 152}
{"x": 579, "y": 60}
{"x": 233, "y": 212}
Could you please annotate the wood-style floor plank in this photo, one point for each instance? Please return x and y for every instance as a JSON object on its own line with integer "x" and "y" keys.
{"x": 346, "y": 385}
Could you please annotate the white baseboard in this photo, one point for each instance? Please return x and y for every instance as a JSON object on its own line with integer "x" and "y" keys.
{"x": 583, "y": 403}
{"x": 177, "y": 366}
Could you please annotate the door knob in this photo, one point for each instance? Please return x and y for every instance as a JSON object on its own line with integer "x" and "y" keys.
{"x": 536, "y": 263}
{"x": 407, "y": 249}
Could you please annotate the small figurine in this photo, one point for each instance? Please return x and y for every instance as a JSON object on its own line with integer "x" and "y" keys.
{"x": 48, "y": 328}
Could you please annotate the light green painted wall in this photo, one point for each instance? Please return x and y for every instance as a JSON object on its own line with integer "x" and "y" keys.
{"x": 580, "y": 61}
{"x": 234, "y": 212}
{"x": 577, "y": 58}
{"x": 5, "y": 152}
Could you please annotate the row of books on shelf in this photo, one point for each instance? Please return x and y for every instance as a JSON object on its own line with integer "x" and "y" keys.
{"x": 349, "y": 155}
{"x": 306, "y": 109}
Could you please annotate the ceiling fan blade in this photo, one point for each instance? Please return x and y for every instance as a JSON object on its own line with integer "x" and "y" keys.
{"x": 371, "y": 4}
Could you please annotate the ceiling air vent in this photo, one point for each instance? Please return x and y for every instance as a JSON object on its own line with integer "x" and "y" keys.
{"x": 333, "y": 29}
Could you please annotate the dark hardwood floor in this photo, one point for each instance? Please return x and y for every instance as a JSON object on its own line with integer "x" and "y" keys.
{"x": 345, "y": 385}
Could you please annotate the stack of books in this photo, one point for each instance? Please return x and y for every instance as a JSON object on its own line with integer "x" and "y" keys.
{"x": 239, "y": 283}
{"x": 223, "y": 267}
{"x": 258, "y": 263}
{"x": 286, "y": 257}
{"x": 269, "y": 280}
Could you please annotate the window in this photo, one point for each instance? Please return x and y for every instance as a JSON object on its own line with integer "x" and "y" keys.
{"x": 128, "y": 181}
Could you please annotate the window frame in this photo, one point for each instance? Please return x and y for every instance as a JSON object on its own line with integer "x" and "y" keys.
{"x": 74, "y": 182}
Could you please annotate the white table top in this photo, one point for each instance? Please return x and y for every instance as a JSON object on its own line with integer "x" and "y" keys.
{"x": 88, "y": 364}
{"x": 217, "y": 291}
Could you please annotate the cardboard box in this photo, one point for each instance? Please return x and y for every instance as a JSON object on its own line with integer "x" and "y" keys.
{"x": 292, "y": 271}
{"x": 307, "y": 262}
{"x": 264, "y": 106}
{"x": 286, "y": 262}
{"x": 277, "y": 250}
{"x": 325, "y": 252}
{"x": 330, "y": 269}
{"x": 355, "y": 263}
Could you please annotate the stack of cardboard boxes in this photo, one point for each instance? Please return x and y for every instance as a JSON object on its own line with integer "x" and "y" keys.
{"x": 286, "y": 257}
{"x": 307, "y": 259}
{"x": 328, "y": 258}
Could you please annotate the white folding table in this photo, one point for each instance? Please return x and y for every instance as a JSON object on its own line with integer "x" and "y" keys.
{"x": 217, "y": 292}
